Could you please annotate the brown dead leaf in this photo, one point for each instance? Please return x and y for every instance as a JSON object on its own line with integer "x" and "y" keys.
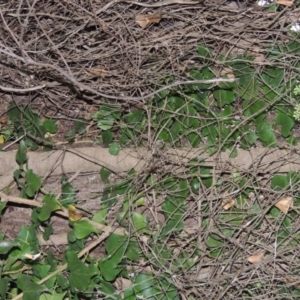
{"x": 97, "y": 71}
{"x": 228, "y": 203}
{"x": 253, "y": 259}
{"x": 144, "y": 20}
{"x": 285, "y": 204}
{"x": 227, "y": 71}
{"x": 285, "y": 2}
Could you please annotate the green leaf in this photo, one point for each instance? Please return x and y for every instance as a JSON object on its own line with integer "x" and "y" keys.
{"x": 203, "y": 52}
{"x": 134, "y": 117}
{"x": 50, "y": 205}
{"x": 80, "y": 274}
{"x": 266, "y": 134}
{"x": 145, "y": 287}
{"x": 34, "y": 183}
{"x": 224, "y": 97}
{"x": 286, "y": 122}
{"x": 109, "y": 269}
{"x": 53, "y": 296}
{"x": 30, "y": 289}
{"x": 50, "y": 126}
{"x": 279, "y": 182}
{"x": 5, "y": 246}
{"x": 104, "y": 174}
{"x": 140, "y": 223}
{"x": 80, "y": 126}
{"x": 83, "y": 229}
{"x": 21, "y": 156}
{"x": 114, "y": 149}
{"x": 100, "y": 215}
{"x": 68, "y": 193}
{"x": 107, "y": 115}
{"x": 107, "y": 137}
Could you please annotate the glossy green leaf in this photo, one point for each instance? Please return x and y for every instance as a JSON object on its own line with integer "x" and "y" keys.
{"x": 5, "y": 246}
{"x": 50, "y": 205}
{"x": 100, "y": 215}
{"x": 109, "y": 269}
{"x": 34, "y": 183}
{"x": 114, "y": 149}
{"x": 134, "y": 117}
{"x": 84, "y": 228}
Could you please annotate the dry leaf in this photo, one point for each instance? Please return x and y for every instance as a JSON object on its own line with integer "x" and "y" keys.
{"x": 97, "y": 71}
{"x": 32, "y": 256}
{"x": 285, "y": 2}
{"x": 227, "y": 71}
{"x": 144, "y": 20}
{"x": 228, "y": 203}
{"x": 285, "y": 204}
{"x": 73, "y": 215}
{"x": 253, "y": 259}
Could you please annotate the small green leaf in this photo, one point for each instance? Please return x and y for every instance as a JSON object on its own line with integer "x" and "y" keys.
{"x": 68, "y": 193}
{"x": 80, "y": 126}
{"x": 50, "y": 126}
{"x": 50, "y": 205}
{"x": 83, "y": 229}
{"x": 140, "y": 223}
{"x": 21, "y": 156}
{"x": 34, "y": 183}
{"x": 53, "y": 296}
{"x": 279, "y": 182}
{"x": 107, "y": 137}
{"x": 2, "y": 206}
{"x": 104, "y": 174}
{"x": 286, "y": 122}
{"x": 266, "y": 134}
{"x": 100, "y": 215}
{"x": 203, "y": 52}
{"x": 114, "y": 149}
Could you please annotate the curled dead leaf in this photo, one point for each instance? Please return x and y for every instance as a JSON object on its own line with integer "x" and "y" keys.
{"x": 253, "y": 259}
{"x": 285, "y": 204}
{"x": 144, "y": 20}
{"x": 73, "y": 215}
{"x": 228, "y": 203}
{"x": 287, "y": 3}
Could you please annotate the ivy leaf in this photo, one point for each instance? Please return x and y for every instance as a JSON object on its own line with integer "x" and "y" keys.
{"x": 50, "y": 205}
{"x": 34, "y": 183}
{"x": 109, "y": 269}
{"x": 30, "y": 289}
{"x": 84, "y": 228}
{"x": 80, "y": 274}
